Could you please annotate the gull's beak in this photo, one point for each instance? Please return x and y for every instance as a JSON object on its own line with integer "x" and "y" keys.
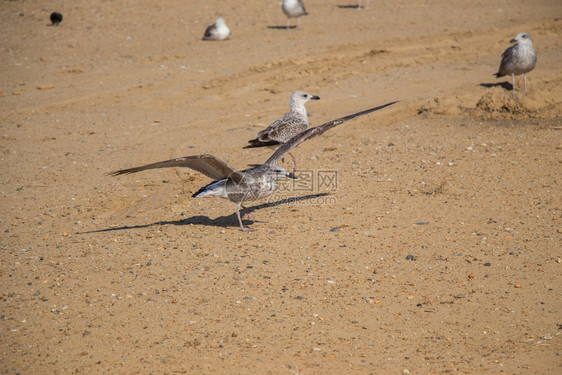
{"x": 513, "y": 41}
{"x": 315, "y": 97}
{"x": 290, "y": 175}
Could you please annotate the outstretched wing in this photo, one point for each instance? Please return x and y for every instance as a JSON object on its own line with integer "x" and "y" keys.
{"x": 317, "y": 130}
{"x": 209, "y": 165}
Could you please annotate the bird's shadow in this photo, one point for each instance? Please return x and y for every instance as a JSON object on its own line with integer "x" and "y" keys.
{"x": 282, "y": 27}
{"x": 222, "y": 221}
{"x": 352, "y": 6}
{"x": 505, "y": 85}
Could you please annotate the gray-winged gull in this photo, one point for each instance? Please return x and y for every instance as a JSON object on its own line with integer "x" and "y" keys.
{"x": 293, "y": 9}
{"x": 217, "y": 31}
{"x": 292, "y": 123}
{"x": 250, "y": 184}
{"x": 518, "y": 59}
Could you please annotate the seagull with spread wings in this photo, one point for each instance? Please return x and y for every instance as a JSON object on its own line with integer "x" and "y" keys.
{"x": 250, "y": 184}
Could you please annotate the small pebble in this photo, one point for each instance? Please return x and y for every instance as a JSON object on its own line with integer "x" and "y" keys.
{"x": 487, "y": 264}
{"x": 334, "y": 229}
{"x": 411, "y": 257}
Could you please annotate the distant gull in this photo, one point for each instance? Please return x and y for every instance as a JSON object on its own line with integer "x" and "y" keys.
{"x": 293, "y": 9}
{"x": 292, "y": 123}
{"x": 217, "y": 31}
{"x": 56, "y": 18}
{"x": 518, "y": 59}
{"x": 359, "y": 4}
{"x": 250, "y": 184}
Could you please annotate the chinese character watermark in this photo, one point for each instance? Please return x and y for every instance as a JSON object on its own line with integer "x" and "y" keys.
{"x": 319, "y": 183}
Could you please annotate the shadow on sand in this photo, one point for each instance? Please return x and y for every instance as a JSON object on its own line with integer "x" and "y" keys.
{"x": 505, "y": 85}
{"x": 222, "y": 221}
{"x": 282, "y": 27}
{"x": 348, "y": 6}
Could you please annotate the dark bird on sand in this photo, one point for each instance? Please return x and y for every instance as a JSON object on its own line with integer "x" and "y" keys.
{"x": 56, "y": 18}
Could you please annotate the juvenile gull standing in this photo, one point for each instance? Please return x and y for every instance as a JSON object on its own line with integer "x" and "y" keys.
{"x": 250, "y": 184}
{"x": 518, "y": 59}
{"x": 292, "y": 123}
{"x": 217, "y": 31}
{"x": 293, "y": 9}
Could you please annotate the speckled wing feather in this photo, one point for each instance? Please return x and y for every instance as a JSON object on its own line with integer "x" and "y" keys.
{"x": 280, "y": 131}
{"x": 509, "y": 57}
{"x": 209, "y": 165}
{"x": 313, "y": 132}
{"x": 291, "y": 126}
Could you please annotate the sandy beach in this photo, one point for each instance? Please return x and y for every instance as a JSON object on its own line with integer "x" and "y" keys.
{"x": 421, "y": 239}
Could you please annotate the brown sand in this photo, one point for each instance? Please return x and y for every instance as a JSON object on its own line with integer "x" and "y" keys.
{"x": 132, "y": 275}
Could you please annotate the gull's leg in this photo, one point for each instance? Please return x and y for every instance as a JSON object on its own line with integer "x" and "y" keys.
{"x": 525, "y": 80}
{"x": 294, "y": 162}
{"x": 288, "y": 23}
{"x": 240, "y": 219}
{"x": 513, "y": 84}
{"x": 247, "y": 213}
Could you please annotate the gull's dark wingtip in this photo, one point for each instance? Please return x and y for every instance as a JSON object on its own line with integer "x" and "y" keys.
{"x": 391, "y": 103}
{"x": 254, "y": 143}
{"x": 383, "y": 106}
{"x": 118, "y": 173}
{"x": 346, "y": 118}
